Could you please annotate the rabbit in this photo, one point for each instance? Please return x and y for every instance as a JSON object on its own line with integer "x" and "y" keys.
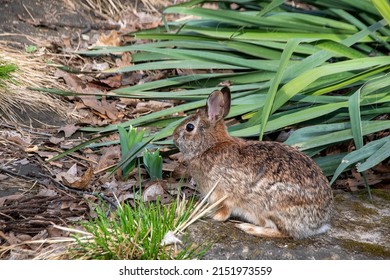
{"x": 277, "y": 190}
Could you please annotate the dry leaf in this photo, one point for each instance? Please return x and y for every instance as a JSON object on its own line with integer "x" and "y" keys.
{"x": 132, "y": 102}
{"x": 100, "y": 66}
{"x": 56, "y": 232}
{"x": 46, "y": 154}
{"x": 131, "y": 78}
{"x": 103, "y": 108}
{"x": 17, "y": 140}
{"x": 126, "y": 196}
{"x": 31, "y": 149}
{"x": 125, "y": 60}
{"x": 74, "y": 82}
{"x": 80, "y": 183}
{"x": 47, "y": 192}
{"x": 68, "y": 130}
{"x": 72, "y": 170}
{"x": 110, "y": 156}
{"x": 154, "y": 105}
{"x": 112, "y": 39}
{"x": 113, "y": 81}
{"x": 152, "y": 192}
{"x": 56, "y": 140}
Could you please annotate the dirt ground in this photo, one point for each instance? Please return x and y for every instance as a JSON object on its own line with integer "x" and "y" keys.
{"x": 35, "y": 193}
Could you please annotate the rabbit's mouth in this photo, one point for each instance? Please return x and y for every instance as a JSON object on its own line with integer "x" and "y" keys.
{"x": 179, "y": 144}
{"x": 176, "y": 139}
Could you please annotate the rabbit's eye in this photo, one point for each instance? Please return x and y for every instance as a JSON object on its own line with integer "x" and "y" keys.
{"x": 190, "y": 127}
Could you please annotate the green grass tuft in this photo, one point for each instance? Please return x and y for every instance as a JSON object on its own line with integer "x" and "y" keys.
{"x": 6, "y": 71}
{"x": 136, "y": 233}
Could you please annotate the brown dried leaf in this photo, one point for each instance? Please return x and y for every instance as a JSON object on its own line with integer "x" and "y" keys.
{"x": 56, "y": 232}
{"x": 152, "y": 191}
{"x": 110, "y": 156}
{"x": 70, "y": 175}
{"x": 56, "y": 140}
{"x": 18, "y": 141}
{"x": 74, "y": 82}
{"x": 154, "y": 105}
{"x": 113, "y": 81}
{"x": 46, "y": 154}
{"x": 131, "y": 78}
{"x": 31, "y": 149}
{"x": 112, "y": 39}
{"x": 80, "y": 183}
{"x": 125, "y": 60}
{"x": 47, "y": 192}
{"x": 72, "y": 170}
{"x": 382, "y": 168}
{"x": 141, "y": 110}
{"x": 100, "y": 66}
{"x": 129, "y": 101}
{"x": 68, "y": 130}
{"x": 103, "y": 108}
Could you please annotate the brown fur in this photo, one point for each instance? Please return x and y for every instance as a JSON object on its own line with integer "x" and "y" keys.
{"x": 279, "y": 190}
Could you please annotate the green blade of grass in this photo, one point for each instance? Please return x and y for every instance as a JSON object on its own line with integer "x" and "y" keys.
{"x": 299, "y": 83}
{"x": 313, "y": 23}
{"x": 368, "y": 127}
{"x": 132, "y": 154}
{"x": 290, "y": 118}
{"x": 269, "y": 7}
{"x": 76, "y": 148}
{"x": 356, "y": 156}
{"x": 174, "y": 64}
{"x": 266, "y": 110}
{"x": 330, "y": 163}
{"x": 356, "y": 122}
{"x": 339, "y": 49}
{"x": 379, "y": 155}
{"x": 383, "y": 7}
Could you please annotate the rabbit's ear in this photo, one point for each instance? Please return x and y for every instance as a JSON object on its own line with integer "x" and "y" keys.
{"x": 226, "y": 98}
{"x": 215, "y": 106}
{"x": 218, "y": 104}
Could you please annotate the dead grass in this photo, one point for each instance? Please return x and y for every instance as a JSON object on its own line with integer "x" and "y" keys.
{"x": 114, "y": 9}
{"x": 32, "y": 71}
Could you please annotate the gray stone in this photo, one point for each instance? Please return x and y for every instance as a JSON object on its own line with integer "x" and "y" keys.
{"x": 360, "y": 230}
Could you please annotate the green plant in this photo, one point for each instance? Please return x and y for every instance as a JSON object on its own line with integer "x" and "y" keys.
{"x": 6, "y": 71}
{"x": 31, "y": 49}
{"x": 153, "y": 164}
{"x": 129, "y": 140}
{"x": 319, "y": 71}
{"x": 136, "y": 232}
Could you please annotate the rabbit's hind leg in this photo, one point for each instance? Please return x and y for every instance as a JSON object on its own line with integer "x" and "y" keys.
{"x": 261, "y": 231}
{"x": 222, "y": 214}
